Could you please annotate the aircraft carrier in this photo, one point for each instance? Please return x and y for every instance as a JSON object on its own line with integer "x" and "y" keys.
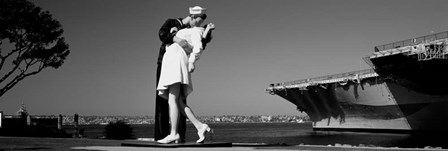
{"x": 404, "y": 91}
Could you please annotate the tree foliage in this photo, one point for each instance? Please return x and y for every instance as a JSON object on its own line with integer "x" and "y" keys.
{"x": 30, "y": 41}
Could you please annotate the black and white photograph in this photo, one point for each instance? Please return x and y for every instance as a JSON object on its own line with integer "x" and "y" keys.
{"x": 223, "y": 75}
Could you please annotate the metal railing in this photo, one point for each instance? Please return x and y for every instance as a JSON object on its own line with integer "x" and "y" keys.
{"x": 321, "y": 78}
{"x": 413, "y": 41}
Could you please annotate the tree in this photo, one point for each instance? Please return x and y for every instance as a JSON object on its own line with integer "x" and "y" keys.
{"x": 30, "y": 41}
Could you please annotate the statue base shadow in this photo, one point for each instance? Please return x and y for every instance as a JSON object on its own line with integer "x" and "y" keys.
{"x": 185, "y": 144}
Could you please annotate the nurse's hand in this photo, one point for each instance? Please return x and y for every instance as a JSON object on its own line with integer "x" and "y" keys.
{"x": 190, "y": 67}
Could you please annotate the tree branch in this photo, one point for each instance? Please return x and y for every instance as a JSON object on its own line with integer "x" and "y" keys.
{"x": 19, "y": 48}
{"x": 16, "y": 80}
{"x": 33, "y": 61}
{"x": 11, "y": 84}
{"x": 17, "y": 65}
{"x": 9, "y": 73}
{"x": 1, "y": 43}
{"x": 2, "y": 62}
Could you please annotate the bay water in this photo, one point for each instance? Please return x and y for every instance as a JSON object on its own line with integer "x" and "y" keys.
{"x": 287, "y": 134}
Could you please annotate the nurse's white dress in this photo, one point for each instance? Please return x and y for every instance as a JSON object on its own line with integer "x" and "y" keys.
{"x": 175, "y": 62}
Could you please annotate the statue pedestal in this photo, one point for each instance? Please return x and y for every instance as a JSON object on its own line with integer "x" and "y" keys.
{"x": 186, "y": 144}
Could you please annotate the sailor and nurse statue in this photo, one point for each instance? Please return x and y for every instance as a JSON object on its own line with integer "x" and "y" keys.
{"x": 183, "y": 42}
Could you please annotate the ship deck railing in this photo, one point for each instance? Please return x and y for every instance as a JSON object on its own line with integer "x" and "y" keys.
{"x": 322, "y": 80}
{"x": 407, "y": 49}
{"x": 411, "y": 47}
{"x": 413, "y": 41}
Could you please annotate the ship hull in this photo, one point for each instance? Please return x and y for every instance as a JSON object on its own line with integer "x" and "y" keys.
{"x": 372, "y": 104}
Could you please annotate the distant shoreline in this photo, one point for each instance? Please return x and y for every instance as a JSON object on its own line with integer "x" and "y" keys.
{"x": 104, "y": 120}
{"x": 306, "y": 122}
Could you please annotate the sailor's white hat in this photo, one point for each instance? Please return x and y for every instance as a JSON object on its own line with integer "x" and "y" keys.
{"x": 197, "y": 10}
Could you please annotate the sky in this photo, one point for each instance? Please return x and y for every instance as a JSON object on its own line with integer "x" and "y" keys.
{"x": 114, "y": 46}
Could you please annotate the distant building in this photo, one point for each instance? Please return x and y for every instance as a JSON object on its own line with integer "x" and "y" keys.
{"x": 266, "y": 118}
{"x": 23, "y": 118}
{"x": 23, "y": 113}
